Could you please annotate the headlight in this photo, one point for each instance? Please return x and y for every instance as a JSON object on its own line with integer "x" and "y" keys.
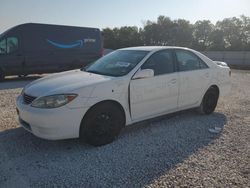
{"x": 22, "y": 92}
{"x": 53, "y": 101}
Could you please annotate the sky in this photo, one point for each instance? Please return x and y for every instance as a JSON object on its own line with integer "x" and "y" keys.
{"x": 115, "y": 13}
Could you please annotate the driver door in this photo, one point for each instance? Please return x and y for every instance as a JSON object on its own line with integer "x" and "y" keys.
{"x": 11, "y": 60}
{"x": 158, "y": 94}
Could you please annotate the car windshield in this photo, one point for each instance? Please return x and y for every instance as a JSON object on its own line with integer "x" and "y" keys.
{"x": 117, "y": 63}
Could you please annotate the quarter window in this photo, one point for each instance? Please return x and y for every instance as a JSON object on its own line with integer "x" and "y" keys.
{"x": 203, "y": 65}
{"x": 3, "y": 46}
{"x": 161, "y": 62}
{"x": 188, "y": 61}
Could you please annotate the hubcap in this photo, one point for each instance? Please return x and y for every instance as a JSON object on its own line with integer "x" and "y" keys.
{"x": 103, "y": 124}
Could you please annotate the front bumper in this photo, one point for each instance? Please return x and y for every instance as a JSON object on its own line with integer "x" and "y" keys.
{"x": 51, "y": 124}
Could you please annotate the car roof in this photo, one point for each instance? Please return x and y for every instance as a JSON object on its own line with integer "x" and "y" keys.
{"x": 157, "y": 48}
{"x": 153, "y": 48}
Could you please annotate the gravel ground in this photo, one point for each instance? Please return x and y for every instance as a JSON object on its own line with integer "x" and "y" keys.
{"x": 172, "y": 151}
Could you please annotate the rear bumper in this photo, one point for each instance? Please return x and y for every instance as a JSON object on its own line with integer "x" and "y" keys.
{"x": 225, "y": 88}
{"x": 51, "y": 124}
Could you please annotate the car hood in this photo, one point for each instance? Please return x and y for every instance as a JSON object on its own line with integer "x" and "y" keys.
{"x": 64, "y": 82}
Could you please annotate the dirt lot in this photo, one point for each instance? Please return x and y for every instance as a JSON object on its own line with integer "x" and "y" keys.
{"x": 172, "y": 151}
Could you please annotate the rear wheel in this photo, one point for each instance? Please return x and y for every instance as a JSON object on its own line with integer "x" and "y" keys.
{"x": 22, "y": 76}
{"x": 102, "y": 124}
{"x": 209, "y": 101}
{"x": 1, "y": 75}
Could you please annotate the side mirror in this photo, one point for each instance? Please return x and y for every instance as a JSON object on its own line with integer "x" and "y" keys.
{"x": 144, "y": 73}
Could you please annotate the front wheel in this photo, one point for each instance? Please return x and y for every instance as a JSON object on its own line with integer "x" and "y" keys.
{"x": 209, "y": 101}
{"x": 102, "y": 124}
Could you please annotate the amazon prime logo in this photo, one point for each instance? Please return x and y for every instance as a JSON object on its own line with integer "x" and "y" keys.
{"x": 76, "y": 44}
{"x": 89, "y": 40}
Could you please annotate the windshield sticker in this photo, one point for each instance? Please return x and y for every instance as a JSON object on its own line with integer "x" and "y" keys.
{"x": 123, "y": 64}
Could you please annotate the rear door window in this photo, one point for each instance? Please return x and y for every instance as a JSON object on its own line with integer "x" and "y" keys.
{"x": 187, "y": 61}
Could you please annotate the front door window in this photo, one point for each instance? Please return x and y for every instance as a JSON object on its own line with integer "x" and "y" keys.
{"x": 12, "y": 44}
{"x": 3, "y": 46}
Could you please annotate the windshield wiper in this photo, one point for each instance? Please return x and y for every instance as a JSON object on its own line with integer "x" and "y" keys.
{"x": 95, "y": 72}
{"x": 100, "y": 73}
{"x": 83, "y": 69}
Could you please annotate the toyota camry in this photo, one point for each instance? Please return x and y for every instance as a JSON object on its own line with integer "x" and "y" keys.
{"x": 126, "y": 86}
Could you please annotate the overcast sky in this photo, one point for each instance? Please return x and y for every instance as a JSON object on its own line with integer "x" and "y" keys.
{"x": 115, "y": 13}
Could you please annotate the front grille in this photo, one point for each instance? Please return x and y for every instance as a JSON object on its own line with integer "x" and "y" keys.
{"x": 28, "y": 99}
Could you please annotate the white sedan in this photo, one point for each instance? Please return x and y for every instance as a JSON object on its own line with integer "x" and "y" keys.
{"x": 121, "y": 88}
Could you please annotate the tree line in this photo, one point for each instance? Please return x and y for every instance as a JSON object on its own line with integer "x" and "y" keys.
{"x": 229, "y": 34}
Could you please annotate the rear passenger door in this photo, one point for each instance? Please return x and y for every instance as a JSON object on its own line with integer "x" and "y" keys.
{"x": 157, "y": 94}
{"x": 194, "y": 78}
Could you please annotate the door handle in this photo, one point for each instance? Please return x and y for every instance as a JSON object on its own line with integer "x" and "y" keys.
{"x": 173, "y": 81}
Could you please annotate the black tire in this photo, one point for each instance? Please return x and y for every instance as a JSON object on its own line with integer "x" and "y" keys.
{"x": 102, "y": 124}
{"x": 2, "y": 76}
{"x": 209, "y": 101}
{"x": 23, "y": 76}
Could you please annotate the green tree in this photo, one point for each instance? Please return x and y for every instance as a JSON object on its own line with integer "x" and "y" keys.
{"x": 129, "y": 36}
{"x": 109, "y": 38}
{"x": 245, "y": 32}
{"x": 150, "y": 34}
{"x": 181, "y": 33}
{"x": 201, "y": 33}
{"x": 217, "y": 41}
{"x": 228, "y": 34}
{"x": 233, "y": 33}
{"x": 121, "y": 37}
{"x": 167, "y": 32}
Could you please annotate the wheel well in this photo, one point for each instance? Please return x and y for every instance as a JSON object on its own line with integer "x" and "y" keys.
{"x": 109, "y": 102}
